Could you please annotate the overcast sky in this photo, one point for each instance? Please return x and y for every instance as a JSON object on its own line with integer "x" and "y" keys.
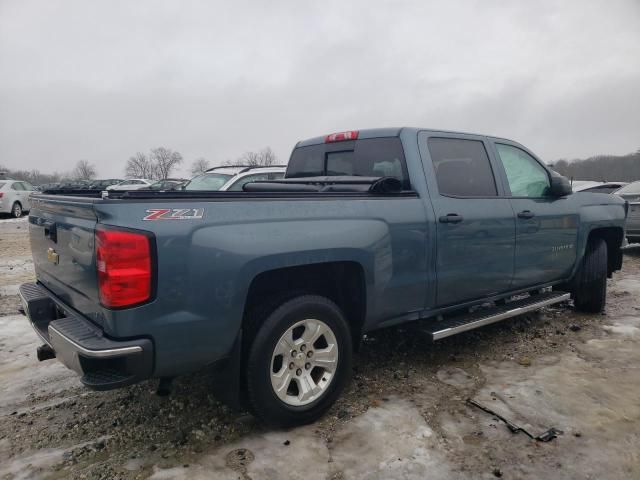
{"x": 101, "y": 80}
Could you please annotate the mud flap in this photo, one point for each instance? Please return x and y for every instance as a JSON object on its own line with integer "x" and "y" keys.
{"x": 226, "y": 377}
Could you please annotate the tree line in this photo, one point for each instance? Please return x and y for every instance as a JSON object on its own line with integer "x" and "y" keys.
{"x": 160, "y": 163}
{"x": 602, "y": 168}
{"x": 157, "y": 164}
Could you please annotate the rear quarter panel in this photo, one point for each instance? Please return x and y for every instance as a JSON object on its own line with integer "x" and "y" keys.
{"x": 205, "y": 267}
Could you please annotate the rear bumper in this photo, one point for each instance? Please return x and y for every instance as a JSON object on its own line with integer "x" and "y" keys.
{"x": 103, "y": 363}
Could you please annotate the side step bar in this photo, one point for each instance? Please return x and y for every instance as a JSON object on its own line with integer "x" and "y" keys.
{"x": 468, "y": 321}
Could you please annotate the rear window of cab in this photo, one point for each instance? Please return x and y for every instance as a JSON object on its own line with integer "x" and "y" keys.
{"x": 372, "y": 157}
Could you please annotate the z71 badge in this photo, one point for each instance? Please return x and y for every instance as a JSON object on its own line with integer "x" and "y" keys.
{"x": 174, "y": 214}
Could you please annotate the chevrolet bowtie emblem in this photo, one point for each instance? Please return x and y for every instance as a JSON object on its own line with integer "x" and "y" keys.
{"x": 52, "y": 256}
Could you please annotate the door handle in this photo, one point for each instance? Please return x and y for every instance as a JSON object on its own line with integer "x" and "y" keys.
{"x": 526, "y": 214}
{"x": 451, "y": 218}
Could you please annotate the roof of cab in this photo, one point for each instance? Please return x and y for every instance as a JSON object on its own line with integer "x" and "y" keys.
{"x": 366, "y": 133}
{"x": 392, "y": 132}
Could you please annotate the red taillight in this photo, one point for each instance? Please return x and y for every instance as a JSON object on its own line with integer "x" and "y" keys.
{"x": 125, "y": 274}
{"x": 341, "y": 136}
{"x": 1, "y": 194}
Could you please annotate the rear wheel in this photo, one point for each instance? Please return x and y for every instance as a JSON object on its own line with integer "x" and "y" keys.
{"x": 16, "y": 210}
{"x": 298, "y": 362}
{"x": 590, "y": 293}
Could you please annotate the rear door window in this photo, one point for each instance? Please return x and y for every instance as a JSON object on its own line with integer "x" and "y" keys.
{"x": 462, "y": 167}
{"x": 17, "y": 186}
{"x": 371, "y": 157}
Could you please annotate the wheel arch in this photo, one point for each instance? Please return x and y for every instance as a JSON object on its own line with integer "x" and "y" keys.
{"x": 343, "y": 282}
{"x": 613, "y": 237}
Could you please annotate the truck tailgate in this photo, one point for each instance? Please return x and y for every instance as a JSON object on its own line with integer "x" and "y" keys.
{"x": 62, "y": 232}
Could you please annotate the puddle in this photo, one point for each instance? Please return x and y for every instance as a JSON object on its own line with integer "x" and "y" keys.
{"x": 32, "y": 465}
{"x": 456, "y": 377}
{"x": 390, "y": 441}
{"x": 21, "y": 373}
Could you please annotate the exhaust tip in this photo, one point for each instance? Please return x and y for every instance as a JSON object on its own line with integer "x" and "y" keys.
{"x": 45, "y": 352}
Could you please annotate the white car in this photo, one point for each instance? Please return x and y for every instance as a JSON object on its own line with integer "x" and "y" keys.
{"x": 132, "y": 184}
{"x": 232, "y": 179}
{"x": 14, "y": 196}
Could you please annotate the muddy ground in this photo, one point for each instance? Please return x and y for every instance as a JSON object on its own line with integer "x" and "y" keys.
{"x": 405, "y": 415}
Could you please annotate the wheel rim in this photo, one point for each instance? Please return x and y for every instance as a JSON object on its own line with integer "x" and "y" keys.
{"x": 17, "y": 211}
{"x": 304, "y": 362}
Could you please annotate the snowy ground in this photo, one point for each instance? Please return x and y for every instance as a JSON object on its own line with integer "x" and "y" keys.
{"x": 405, "y": 415}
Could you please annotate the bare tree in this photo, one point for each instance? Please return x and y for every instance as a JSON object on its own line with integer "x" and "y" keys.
{"x": 84, "y": 170}
{"x": 263, "y": 158}
{"x": 140, "y": 166}
{"x": 200, "y": 165}
{"x": 164, "y": 160}
{"x": 268, "y": 157}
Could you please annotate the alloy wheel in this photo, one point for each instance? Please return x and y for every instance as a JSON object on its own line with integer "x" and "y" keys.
{"x": 304, "y": 362}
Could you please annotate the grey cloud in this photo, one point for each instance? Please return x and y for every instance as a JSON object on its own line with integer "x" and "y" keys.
{"x": 102, "y": 80}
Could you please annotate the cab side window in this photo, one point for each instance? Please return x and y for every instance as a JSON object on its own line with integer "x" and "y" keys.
{"x": 526, "y": 177}
{"x": 462, "y": 168}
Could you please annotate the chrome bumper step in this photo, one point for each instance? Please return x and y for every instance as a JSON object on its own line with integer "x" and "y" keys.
{"x": 469, "y": 321}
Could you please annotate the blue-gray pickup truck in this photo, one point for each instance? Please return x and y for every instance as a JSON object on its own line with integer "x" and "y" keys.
{"x": 275, "y": 286}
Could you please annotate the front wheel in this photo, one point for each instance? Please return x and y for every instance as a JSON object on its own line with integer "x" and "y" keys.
{"x": 590, "y": 293}
{"x": 299, "y": 361}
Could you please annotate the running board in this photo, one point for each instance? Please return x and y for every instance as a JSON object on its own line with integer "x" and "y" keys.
{"x": 468, "y": 321}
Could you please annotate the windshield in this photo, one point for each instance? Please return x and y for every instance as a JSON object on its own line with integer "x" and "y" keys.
{"x": 632, "y": 188}
{"x": 208, "y": 182}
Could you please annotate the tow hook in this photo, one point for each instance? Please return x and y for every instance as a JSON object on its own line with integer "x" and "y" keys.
{"x": 45, "y": 352}
{"x": 164, "y": 386}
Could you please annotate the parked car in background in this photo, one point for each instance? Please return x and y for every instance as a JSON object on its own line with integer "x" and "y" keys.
{"x": 49, "y": 186}
{"x": 131, "y": 184}
{"x": 631, "y": 193}
{"x": 233, "y": 178}
{"x": 14, "y": 196}
{"x": 167, "y": 184}
{"x": 74, "y": 185}
{"x": 103, "y": 184}
{"x": 604, "y": 187}
{"x": 579, "y": 185}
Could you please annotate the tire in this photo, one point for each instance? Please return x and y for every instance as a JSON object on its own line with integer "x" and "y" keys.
{"x": 298, "y": 362}
{"x": 16, "y": 210}
{"x": 590, "y": 293}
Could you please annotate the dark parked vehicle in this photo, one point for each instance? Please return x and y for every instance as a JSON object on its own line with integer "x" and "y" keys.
{"x": 103, "y": 184}
{"x": 275, "y": 286}
{"x": 73, "y": 185}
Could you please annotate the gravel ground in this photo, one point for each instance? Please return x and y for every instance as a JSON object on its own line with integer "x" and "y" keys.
{"x": 405, "y": 414}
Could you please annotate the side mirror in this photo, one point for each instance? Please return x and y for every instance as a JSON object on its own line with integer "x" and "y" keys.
{"x": 560, "y": 186}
